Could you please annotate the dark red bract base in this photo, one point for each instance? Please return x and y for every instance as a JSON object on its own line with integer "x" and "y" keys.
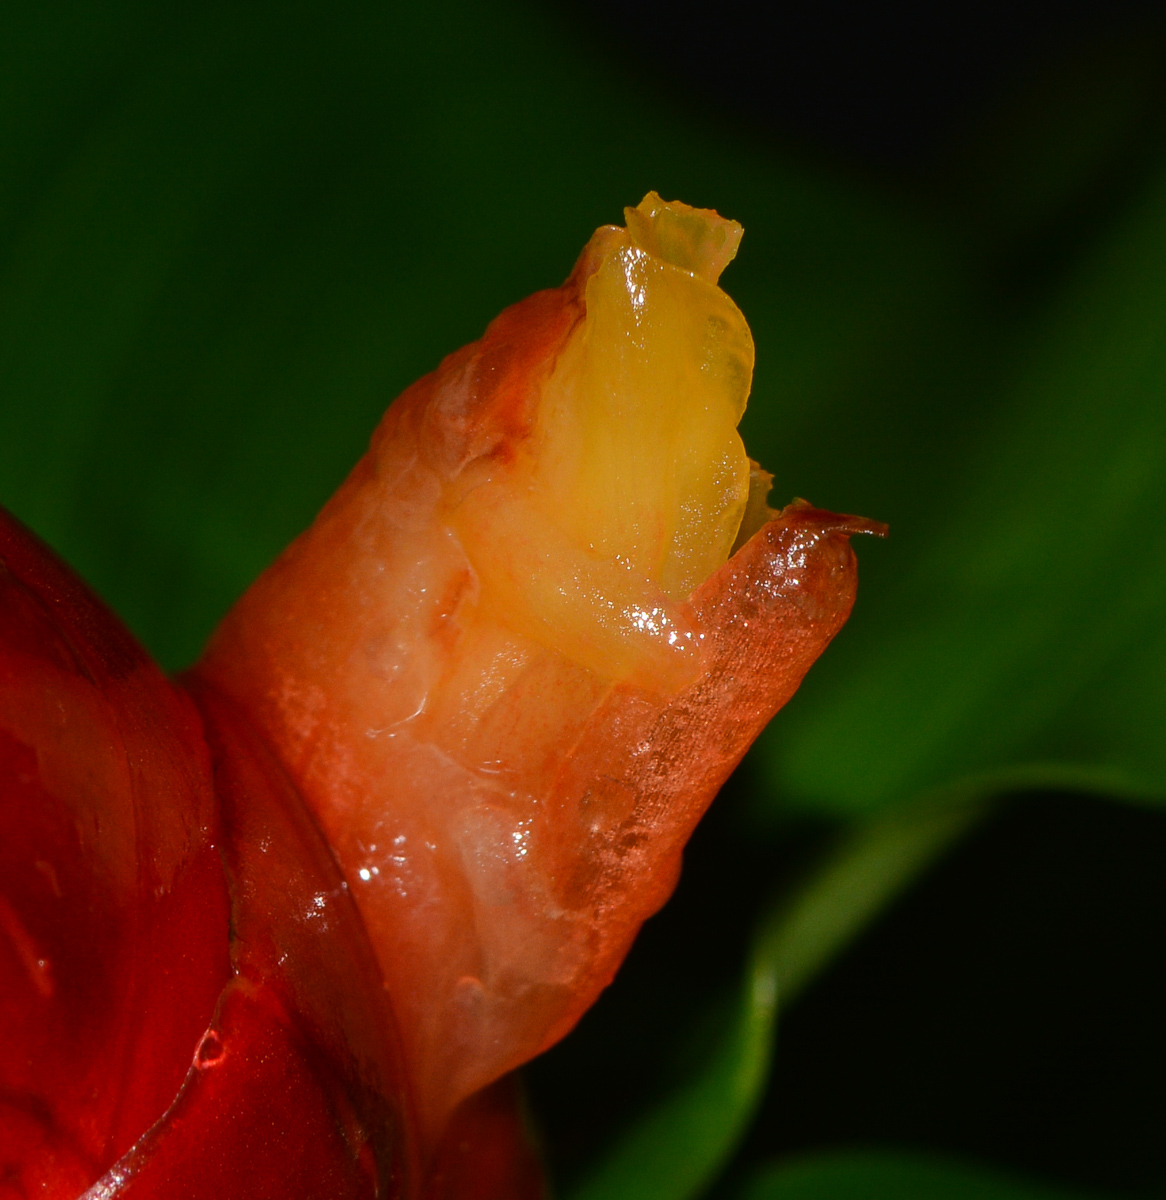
{"x": 190, "y": 1004}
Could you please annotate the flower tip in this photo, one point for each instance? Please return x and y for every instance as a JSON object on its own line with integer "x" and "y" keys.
{"x": 698, "y": 240}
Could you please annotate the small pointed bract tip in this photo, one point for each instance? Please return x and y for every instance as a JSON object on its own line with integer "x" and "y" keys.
{"x": 803, "y": 512}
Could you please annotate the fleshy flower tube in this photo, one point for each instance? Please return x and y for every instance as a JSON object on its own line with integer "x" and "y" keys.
{"x": 512, "y": 662}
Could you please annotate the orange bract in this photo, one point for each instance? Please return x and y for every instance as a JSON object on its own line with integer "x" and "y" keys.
{"x": 512, "y": 661}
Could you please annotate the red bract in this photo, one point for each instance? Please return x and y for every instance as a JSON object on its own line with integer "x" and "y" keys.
{"x": 284, "y": 929}
{"x": 114, "y": 910}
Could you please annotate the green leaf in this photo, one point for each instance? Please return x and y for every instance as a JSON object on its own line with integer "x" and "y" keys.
{"x": 1015, "y": 623}
{"x": 887, "y": 1175}
{"x": 677, "y": 1148}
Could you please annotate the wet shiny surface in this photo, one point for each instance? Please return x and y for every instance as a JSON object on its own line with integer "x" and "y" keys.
{"x": 482, "y": 665}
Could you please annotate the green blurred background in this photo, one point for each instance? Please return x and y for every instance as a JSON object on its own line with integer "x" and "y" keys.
{"x": 231, "y": 233}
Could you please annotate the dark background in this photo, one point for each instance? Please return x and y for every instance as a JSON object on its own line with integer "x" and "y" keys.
{"x": 891, "y": 86}
{"x": 1009, "y": 1009}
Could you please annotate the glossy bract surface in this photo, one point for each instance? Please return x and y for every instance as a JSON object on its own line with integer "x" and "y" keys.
{"x": 113, "y": 901}
{"x": 189, "y": 1001}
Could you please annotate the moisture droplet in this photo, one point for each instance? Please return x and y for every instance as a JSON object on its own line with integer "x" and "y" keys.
{"x": 210, "y": 1050}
